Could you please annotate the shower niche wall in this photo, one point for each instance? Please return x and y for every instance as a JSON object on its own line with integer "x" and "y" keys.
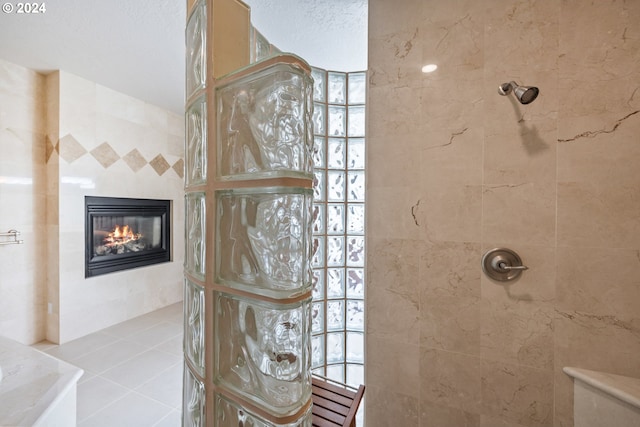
{"x": 247, "y": 228}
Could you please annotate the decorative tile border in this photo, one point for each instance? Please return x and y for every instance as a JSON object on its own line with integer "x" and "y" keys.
{"x": 105, "y": 155}
{"x": 71, "y": 150}
{"x": 134, "y": 160}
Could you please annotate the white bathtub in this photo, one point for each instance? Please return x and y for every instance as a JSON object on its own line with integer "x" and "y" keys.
{"x": 601, "y": 399}
{"x": 36, "y": 389}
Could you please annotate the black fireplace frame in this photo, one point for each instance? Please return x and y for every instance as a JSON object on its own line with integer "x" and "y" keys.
{"x": 104, "y": 206}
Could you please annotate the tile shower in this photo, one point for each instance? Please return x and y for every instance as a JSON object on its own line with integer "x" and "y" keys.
{"x": 456, "y": 169}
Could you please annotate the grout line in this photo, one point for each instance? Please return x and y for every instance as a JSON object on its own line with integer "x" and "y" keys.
{"x": 129, "y": 390}
{"x": 168, "y": 415}
{"x": 126, "y": 393}
{"x": 166, "y": 317}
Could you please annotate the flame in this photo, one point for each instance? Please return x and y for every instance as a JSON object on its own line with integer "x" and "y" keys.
{"x": 121, "y": 235}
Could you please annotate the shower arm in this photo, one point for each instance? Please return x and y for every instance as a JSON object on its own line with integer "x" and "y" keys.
{"x": 506, "y": 88}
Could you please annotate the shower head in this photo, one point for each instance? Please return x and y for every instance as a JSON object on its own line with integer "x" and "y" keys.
{"x": 525, "y": 94}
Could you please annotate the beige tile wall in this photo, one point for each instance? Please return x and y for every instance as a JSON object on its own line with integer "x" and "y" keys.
{"x": 22, "y": 197}
{"x": 110, "y": 144}
{"x": 63, "y": 138}
{"x": 454, "y": 169}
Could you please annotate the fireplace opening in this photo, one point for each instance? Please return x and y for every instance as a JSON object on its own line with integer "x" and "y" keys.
{"x": 123, "y": 233}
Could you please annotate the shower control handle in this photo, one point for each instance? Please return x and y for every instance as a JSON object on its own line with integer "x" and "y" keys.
{"x": 502, "y": 264}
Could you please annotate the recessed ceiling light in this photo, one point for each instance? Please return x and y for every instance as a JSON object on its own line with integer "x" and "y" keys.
{"x": 429, "y": 68}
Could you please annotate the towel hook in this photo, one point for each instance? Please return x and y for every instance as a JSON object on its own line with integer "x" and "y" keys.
{"x": 14, "y": 234}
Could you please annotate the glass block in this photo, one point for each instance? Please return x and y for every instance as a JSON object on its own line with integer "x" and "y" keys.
{"x": 263, "y": 351}
{"x": 355, "y": 375}
{"x": 356, "y": 121}
{"x": 336, "y": 153}
{"x": 335, "y": 283}
{"x": 335, "y": 347}
{"x": 336, "y": 372}
{"x": 356, "y": 186}
{"x": 319, "y": 84}
{"x": 196, "y": 143}
{"x": 309, "y": 134}
{"x": 318, "y": 284}
{"x": 317, "y": 350}
{"x": 355, "y": 347}
{"x": 195, "y": 235}
{"x": 355, "y": 218}
{"x": 193, "y": 400}
{"x": 335, "y": 251}
{"x": 318, "y": 218}
{"x": 194, "y": 325}
{"x": 263, "y": 240}
{"x": 196, "y": 49}
{"x": 319, "y": 185}
{"x": 317, "y": 258}
{"x": 336, "y": 186}
{"x": 319, "y": 371}
{"x": 263, "y": 123}
{"x": 355, "y": 283}
{"x": 335, "y": 218}
{"x": 252, "y": 42}
{"x": 262, "y": 46}
{"x": 357, "y": 88}
{"x": 337, "y": 87}
{"x": 337, "y": 121}
{"x": 319, "y": 119}
{"x": 228, "y": 414}
{"x": 335, "y": 315}
{"x": 356, "y": 156}
{"x": 319, "y": 150}
{"x": 355, "y": 251}
{"x": 317, "y": 317}
{"x": 355, "y": 315}
{"x": 319, "y": 214}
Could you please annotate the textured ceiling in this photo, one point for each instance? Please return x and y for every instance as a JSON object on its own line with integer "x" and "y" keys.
{"x": 137, "y": 46}
{"x": 330, "y": 34}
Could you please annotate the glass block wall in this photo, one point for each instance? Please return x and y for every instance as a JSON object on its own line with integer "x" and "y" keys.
{"x": 261, "y": 254}
{"x": 196, "y": 142}
{"x": 338, "y": 229}
{"x": 248, "y": 222}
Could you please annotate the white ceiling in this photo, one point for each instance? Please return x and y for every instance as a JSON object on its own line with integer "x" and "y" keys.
{"x": 330, "y": 34}
{"x": 137, "y": 46}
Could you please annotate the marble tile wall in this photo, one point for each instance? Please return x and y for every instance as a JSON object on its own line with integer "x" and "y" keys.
{"x": 110, "y": 144}
{"x": 62, "y": 138}
{"x": 22, "y": 197}
{"x": 454, "y": 169}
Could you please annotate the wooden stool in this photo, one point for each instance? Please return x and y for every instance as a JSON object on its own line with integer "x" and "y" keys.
{"x": 334, "y": 403}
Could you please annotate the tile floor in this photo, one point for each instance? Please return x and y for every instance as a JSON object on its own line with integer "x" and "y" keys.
{"x": 133, "y": 371}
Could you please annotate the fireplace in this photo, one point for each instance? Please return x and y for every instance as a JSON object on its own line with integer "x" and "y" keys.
{"x": 125, "y": 233}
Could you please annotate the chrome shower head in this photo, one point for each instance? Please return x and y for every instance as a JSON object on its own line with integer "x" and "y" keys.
{"x": 525, "y": 94}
